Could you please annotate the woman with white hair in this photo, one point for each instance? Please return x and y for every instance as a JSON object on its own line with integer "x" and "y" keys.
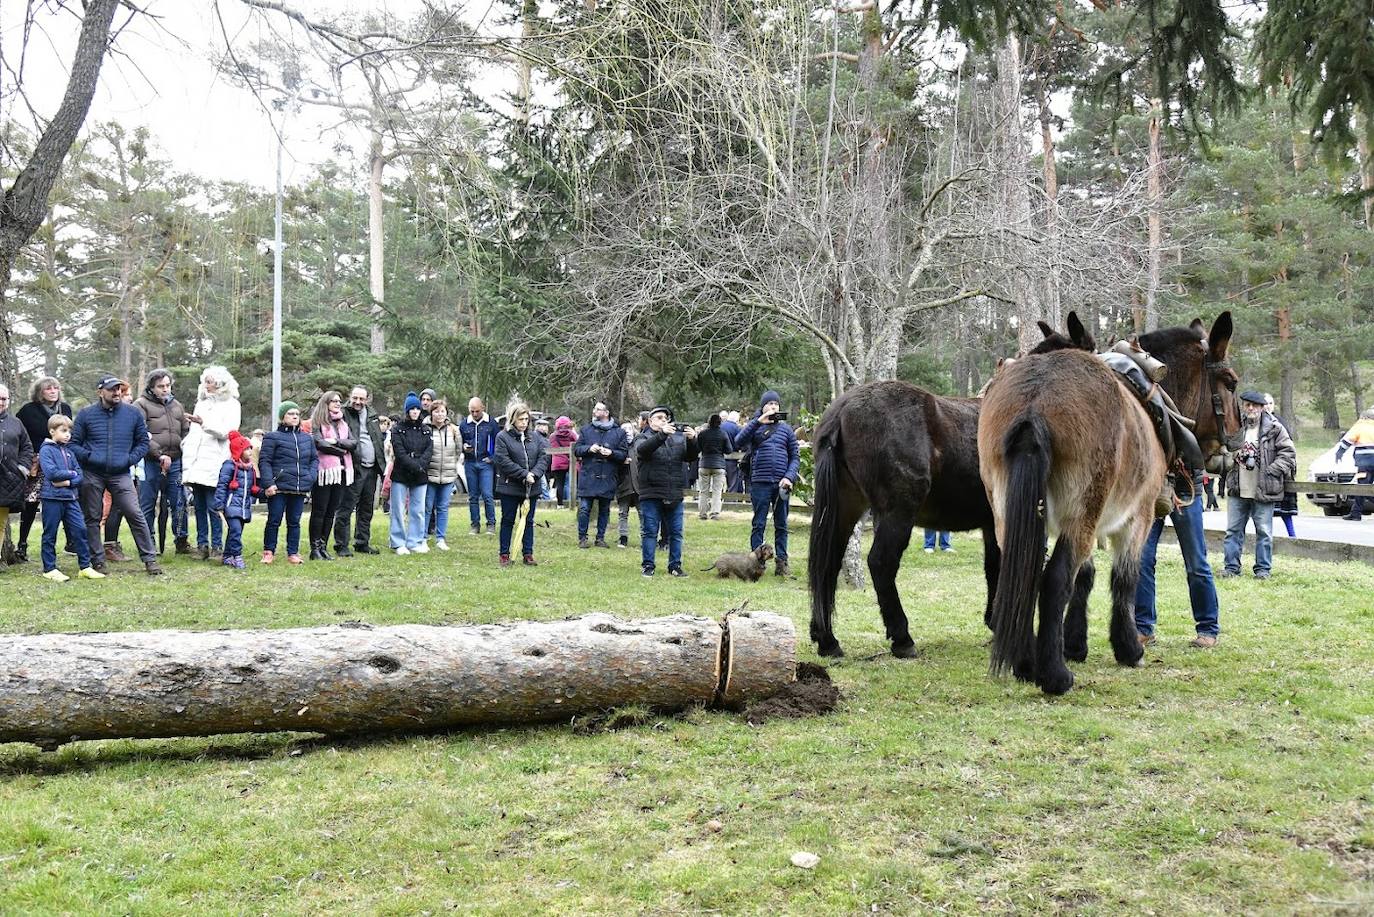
{"x": 206, "y": 448}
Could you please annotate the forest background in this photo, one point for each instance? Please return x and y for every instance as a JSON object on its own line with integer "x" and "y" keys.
{"x": 693, "y": 201}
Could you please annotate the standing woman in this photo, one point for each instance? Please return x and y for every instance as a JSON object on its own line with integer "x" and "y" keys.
{"x": 564, "y": 436}
{"x": 522, "y": 458}
{"x": 287, "y": 466}
{"x": 411, "y": 445}
{"x": 445, "y": 465}
{"x": 334, "y": 444}
{"x": 45, "y": 402}
{"x": 205, "y": 450}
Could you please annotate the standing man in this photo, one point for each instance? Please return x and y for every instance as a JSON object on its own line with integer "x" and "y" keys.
{"x": 479, "y": 449}
{"x": 107, "y": 438}
{"x": 360, "y": 497}
{"x": 661, "y": 450}
{"x": 1265, "y": 459}
{"x": 16, "y": 464}
{"x": 168, "y": 423}
{"x": 774, "y": 460}
{"x": 602, "y": 448}
{"x": 1202, "y": 589}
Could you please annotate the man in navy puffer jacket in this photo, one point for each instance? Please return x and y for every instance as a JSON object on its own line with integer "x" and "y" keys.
{"x": 107, "y": 438}
{"x": 774, "y": 460}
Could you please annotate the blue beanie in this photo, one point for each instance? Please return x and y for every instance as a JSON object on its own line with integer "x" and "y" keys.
{"x": 412, "y": 401}
{"x": 768, "y": 396}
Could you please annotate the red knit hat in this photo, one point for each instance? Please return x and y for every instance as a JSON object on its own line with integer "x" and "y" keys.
{"x": 237, "y": 443}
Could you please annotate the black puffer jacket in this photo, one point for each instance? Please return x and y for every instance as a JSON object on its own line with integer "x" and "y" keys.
{"x": 661, "y": 457}
{"x": 519, "y": 454}
{"x": 16, "y": 460}
{"x": 714, "y": 442}
{"x": 411, "y": 445}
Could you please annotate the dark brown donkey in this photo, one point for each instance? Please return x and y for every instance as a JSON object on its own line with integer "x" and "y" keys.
{"x": 1066, "y": 452}
{"x": 912, "y": 457}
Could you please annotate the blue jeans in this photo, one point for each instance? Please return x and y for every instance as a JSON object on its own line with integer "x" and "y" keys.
{"x": 652, "y": 514}
{"x": 509, "y": 507}
{"x": 437, "y": 499}
{"x": 766, "y": 497}
{"x": 290, "y": 506}
{"x": 930, "y": 540}
{"x": 407, "y": 525}
{"x": 584, "y": 516}
{"x": 1240, "y": 510}
{"x": 233, "y": 538}
{"x": 1202, "y": 590}
{"x": 480, "y": 477}
{"x": 209, "y": 531}
{"x": 168, "y": 486}
{"x": 64, "y": 513}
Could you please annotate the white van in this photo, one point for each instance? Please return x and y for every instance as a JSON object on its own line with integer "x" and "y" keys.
{"x": 1326, "y": 468}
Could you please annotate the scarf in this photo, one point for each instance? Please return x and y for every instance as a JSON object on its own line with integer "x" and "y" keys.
{"x": 603, "y": 424}
{"x": 335, "y": 469}
{"x": 234, "y": 480}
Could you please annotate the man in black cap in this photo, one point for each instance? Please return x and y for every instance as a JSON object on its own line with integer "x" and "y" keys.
{"x": 1264, "y": 459}
{"x": 107, "y": 438}
{"x": 661, "y": 451}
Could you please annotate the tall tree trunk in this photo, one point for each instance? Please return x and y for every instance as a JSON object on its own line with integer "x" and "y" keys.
{"x": 1050, "y": 174}
{"x": 524, "y": 69}
{"x": 375, "y": 251}
{"x": 1014, "y": 191}
{"x": 1155, "y": 186}
{"x": 1326, "y": 399}
{"x": 25, "y": 202}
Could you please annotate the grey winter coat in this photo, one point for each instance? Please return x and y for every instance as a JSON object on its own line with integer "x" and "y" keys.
{"x": 1278, "y": 461}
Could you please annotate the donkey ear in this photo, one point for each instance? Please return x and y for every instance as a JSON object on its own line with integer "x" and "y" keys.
{"x": 1197, "y": 325}
{"x": 1077, "y": 333}
{"x": 1219, "y": 339}
{"x": 1045, "y": 329}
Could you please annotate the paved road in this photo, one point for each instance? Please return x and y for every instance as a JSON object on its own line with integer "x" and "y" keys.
{"x": 1313, "y": 528}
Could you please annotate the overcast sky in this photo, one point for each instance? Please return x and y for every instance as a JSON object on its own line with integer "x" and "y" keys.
{"x": 165, "y": 78}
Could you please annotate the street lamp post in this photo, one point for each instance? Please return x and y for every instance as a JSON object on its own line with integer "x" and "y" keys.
{"x": 276, "y": 279}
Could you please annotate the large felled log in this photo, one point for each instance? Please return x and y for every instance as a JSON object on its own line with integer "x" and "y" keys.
{"x": 57, "y": 688}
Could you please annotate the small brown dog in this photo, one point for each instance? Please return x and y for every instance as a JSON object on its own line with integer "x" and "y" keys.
{"x": 749, "y": 567}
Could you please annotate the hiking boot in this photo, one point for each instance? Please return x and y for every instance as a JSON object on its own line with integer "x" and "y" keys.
{"x": 204, "y": 551}
{"x": 268, "y": 557}
{"x": 216, "y": 553}
{"x": 151, "y": 568}
{"x": 183, "y": 546}
{"x": 114, "y": 553}
{"x": 781, "y": 567}
{"x": 1261, "y": 574}
{"x": 529, "y": 561}
{"x": 600, "y": 543}
{"x": 583, "y": 543}
{"x": 1229, "y": 574}
{"x": 505, "y": 560}
{"x": 101, "y": 569}
{"x": 1203, "y": 642}
{"x": 1146, "y": 640}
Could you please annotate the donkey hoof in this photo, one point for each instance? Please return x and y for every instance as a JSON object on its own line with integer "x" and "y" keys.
{"x": 1023, "y": 671}
{"x": 1076, "y": 653}
{"x": 1057, "y": 682}
{"x": 904, "y": 650}
{"x": 830, "y": 648}
{"x": 1130, "y": 656}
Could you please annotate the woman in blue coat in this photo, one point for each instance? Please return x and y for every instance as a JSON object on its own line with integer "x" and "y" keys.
{"x": 288, "y": 464}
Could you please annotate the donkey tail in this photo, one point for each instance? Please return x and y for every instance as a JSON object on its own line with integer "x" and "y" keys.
{"x": 1026, "y": 456}
{"x": 827, "y": 542}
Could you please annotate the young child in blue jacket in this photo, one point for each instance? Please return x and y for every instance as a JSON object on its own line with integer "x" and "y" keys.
{"x": 61, "y": 480}
{"x": 238, "y": 488}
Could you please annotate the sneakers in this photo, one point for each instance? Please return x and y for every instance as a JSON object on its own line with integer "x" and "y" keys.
{"x": 677, "y": 571}
{"x": 403, "y": 551}
{"x": 624, "y": 542}
{"x": 1229, "y": 574}
{"x": 529, "y": 561}
{"x": 929, "y": 550}
{"x": 583, "y": 543}
{"x": 491, "y": 528}
{"x": 57, "y": 576}
{"x": 647, "y": 571}
{"x": 233, "y": 561}
{"x": 267, "y": 557}
{"x": 152, "y": 569}
{"x": 715, "y": 516}
{"x": 114, "y": 553}
{"x": 295, "y": 559}
{"x": 88, "y": 573}
{"x": 441, "y": 544}
{"x": 475, "y": 529}
{"x": 203, "y": 551}
{"x": 1261, "y": 574}
{"x": 421, "y": 548}
{"x": 948, "y": 550}
{"x": 505, "y": 560}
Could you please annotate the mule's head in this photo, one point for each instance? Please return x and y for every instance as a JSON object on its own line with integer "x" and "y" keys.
{"x": 1201, "y": 381}
{"x": 1078, "y": 337}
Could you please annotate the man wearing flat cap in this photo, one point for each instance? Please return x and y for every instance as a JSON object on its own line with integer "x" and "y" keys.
{"x": 1264, "y": 459}
{"x": 108, "y": 437}
{"x": 661, "y": 450}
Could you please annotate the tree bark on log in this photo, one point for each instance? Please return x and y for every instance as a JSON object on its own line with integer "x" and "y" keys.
{"x": 58, "y": 688}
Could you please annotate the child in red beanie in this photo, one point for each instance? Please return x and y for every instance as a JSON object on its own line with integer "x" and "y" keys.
{"x": 238, "y": 488}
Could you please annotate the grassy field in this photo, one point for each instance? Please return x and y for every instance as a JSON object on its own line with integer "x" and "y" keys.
{"x": 1235, "y": 780}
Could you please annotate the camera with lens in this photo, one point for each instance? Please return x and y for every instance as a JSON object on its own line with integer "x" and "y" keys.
{"x": 779, "y": 416}
{"x": 681, "y": 427}
{"x": 1248, "y": 456}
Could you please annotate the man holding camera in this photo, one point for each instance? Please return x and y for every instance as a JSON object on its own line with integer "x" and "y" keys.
{"x": 661, "y": 450}
{"x": 774, "y": 460}
{"x": 1264, "y": 460}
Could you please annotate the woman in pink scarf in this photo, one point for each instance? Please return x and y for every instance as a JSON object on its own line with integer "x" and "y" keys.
{"x": 335, "y": 445}
{"x": 563, "y": 435}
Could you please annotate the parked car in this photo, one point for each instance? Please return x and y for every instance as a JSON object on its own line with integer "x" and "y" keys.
{"x": 1326, "y": 468}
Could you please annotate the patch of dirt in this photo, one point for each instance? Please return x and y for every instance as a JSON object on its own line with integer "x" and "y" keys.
{"x": 812, "y": 694}
{"x": 613, "y": 720}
